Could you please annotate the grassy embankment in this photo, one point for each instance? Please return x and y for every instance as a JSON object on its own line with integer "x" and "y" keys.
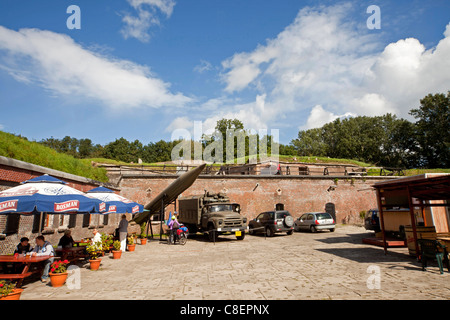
{"x": 18, "y": 148}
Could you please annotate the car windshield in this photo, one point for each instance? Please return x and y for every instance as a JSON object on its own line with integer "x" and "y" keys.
{"x": 282, "y": 215}
{"x": 224, "y": 207}
{"x": 321, "y": 216}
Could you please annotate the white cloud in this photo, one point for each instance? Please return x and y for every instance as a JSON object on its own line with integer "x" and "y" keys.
{"x": 203, "y": 66}
{"x": 138, "y": 26}
{"x": 318, "y": 117}
{"x": 325, "y": 61}
{"x": 405, "y": 72}
{"x": 180, "y": 123}
{"x": 64, "y": 67}
{"x": 254, "y": 116}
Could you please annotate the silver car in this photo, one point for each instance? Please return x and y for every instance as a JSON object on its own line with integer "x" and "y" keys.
{"x": 314, "y": 221}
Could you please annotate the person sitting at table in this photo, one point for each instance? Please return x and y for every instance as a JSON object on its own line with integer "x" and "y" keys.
{"x": 44, "y": 248}
{"x": 97, "y": 236}
{"x": 66, "y": 240}
{"x": 24, "y": 246}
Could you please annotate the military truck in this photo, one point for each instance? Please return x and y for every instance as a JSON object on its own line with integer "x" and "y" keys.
{"x": 213, "y": 214}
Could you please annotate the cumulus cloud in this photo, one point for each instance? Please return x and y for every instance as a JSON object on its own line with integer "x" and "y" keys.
{"x": 318, "y": 117}
{"x": 406, "y": 71}
{"x": 147, "y": 16}
{"x": 324, "y": 61}
{"x": 254, "y": 115}
{"x": 64, "y": 67}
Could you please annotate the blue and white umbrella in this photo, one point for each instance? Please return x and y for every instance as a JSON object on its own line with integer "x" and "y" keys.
{"x": 50, "y": 195}
{"x": 116, "y": 203}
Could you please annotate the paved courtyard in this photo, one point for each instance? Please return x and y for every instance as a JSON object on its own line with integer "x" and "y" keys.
{"x": 303, "y": 266}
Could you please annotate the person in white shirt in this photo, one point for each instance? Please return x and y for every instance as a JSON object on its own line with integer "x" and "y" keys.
{"x": 97, "y": 236}
{"x": 123, "y": 232}
{"x": 44, "y": 248}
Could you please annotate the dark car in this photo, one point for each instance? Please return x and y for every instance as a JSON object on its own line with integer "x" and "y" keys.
{"x": 314, "y": 221}
{"x": 372, "y": 220}
{"x": 272, "y": 222}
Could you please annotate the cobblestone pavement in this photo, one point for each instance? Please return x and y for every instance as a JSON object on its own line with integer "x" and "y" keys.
{"x": 302, "y": 266}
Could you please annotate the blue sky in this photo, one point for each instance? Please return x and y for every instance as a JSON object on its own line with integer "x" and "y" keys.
{"x": 140, "y": 69}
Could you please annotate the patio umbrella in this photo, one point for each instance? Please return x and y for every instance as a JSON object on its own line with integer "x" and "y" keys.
{"x": 50, "y": 195}
{"x": 117, "y": 203}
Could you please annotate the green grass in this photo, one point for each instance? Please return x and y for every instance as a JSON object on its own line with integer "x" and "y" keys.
{"x": 414, "y": 172}
{"x": 18, "y": 148}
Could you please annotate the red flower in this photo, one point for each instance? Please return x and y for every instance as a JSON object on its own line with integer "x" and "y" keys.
{"x": 65, "y": 261}
{"x": 53, "y": 270}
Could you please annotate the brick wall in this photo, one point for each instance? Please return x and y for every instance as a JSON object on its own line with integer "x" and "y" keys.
{"x": 349, "y": 196}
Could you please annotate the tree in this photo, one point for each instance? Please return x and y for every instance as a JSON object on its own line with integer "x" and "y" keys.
{"x": 123, "y": 150}
{"x": 432, "y": 130}
{"x": 383, "y": 140}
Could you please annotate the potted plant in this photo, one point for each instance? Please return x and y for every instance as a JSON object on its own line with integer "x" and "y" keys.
{"x": 94, "y": 250}
{"x": 143, "y": 235}
{"x": 107, "y": 241}
{"x": 131, "y": 244}
{"x": 117, "y": 253}
{"x": 58, "y": 273}
{"x": 8, "y": 291}
{"x": 143, "y": 239}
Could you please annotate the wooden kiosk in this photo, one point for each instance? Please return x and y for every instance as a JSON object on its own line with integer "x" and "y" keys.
{"x": 414, "y": 202}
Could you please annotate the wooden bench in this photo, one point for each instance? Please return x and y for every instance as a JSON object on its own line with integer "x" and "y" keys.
{"x": 16, "y": 276}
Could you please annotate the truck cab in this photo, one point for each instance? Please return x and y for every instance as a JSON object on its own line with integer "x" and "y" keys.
{"x": 212, "y": 214}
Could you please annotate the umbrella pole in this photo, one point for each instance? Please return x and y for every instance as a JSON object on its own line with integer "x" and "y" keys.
{"x": 161, "y": 219}
{"x": 40, "y": 224}
{"x": 148, "y": 223}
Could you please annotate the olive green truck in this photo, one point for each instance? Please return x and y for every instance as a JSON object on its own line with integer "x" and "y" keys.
{"x": 212, "y": 214}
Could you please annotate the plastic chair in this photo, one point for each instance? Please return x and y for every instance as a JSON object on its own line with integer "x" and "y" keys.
{"x": 430, "y": 249}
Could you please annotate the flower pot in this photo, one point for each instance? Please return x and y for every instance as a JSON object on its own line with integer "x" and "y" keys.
{"x": 143, "y": 241}
{"x": 95, "y": 264}
{"x": 15, "y": 295}
{"x": 117, "y": 254}
{"x": 131, "y": 247}
{"x": 58, "y": 279}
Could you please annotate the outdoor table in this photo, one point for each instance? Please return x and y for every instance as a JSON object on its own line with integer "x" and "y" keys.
{"x": 71, "y": 254}
{"x": 27, "y": 261}
{"x": 80, "y": 242}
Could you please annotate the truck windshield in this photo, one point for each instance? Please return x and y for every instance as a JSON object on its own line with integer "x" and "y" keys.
{"x": 224, "y": 207}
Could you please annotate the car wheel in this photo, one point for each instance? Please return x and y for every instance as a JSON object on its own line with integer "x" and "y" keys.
{"x": 290, "y": 232}
{"x": 269, "y": 232}
{"x": 332, "y": 230}
{"x": 313, "y": 229}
